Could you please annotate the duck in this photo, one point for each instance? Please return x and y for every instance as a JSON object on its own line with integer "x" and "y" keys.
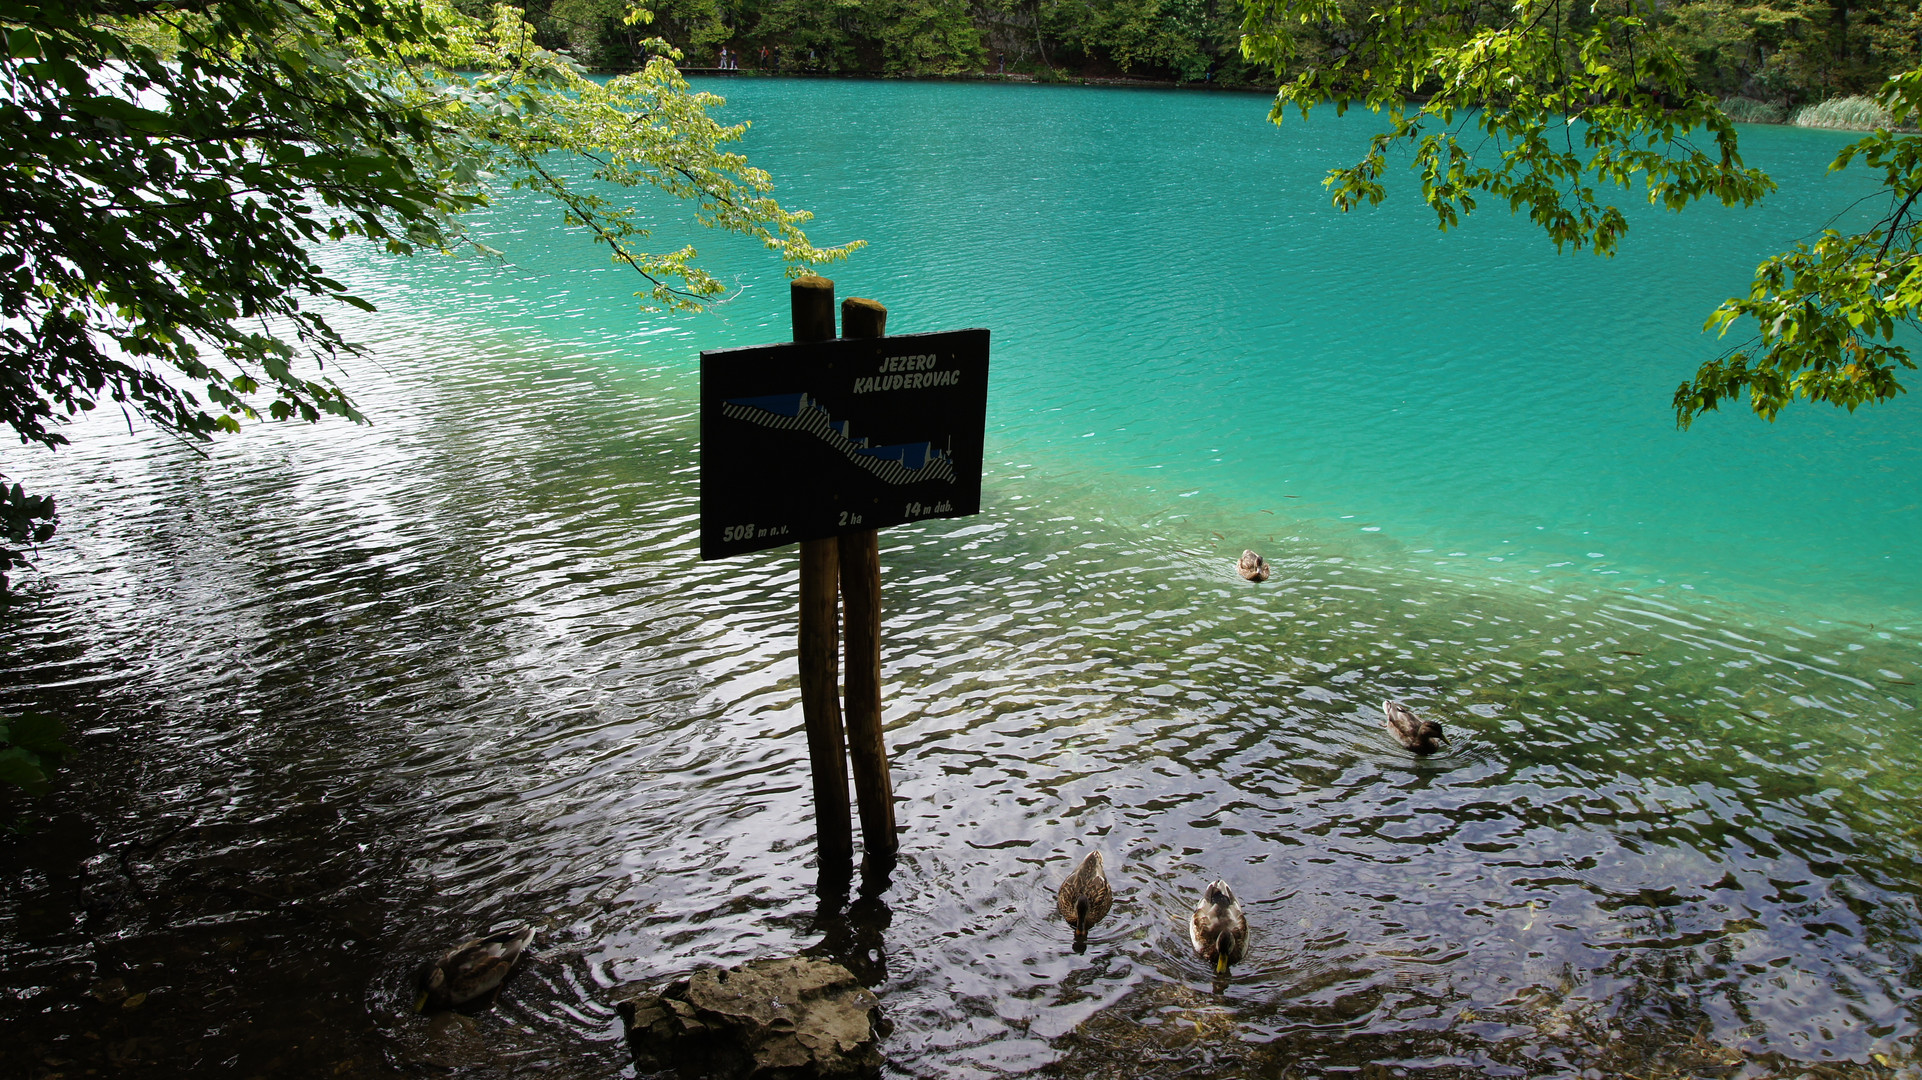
{"x": 1421, "y": 736}
{"x": 1219, "y": 930}
{"x": 1252, "y": 566}
{"x": 1085, "y": 897}
{"x": 471, "y": 970}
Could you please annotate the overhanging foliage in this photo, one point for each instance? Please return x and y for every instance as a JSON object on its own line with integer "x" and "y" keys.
{"x": 175, "y": 172}
{"x": 1553, "y": 108}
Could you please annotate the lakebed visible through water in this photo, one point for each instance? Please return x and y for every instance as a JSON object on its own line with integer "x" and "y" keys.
{"x": 347, "y": 694}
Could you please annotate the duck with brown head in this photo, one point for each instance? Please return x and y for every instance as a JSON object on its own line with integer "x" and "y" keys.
{"x": 1421, "y": 736}
{"x": 1219, "y": 930}
{"x": 467, "y": 972}
{"x": 1085, "y": 897}
{"x": 1252, "y": 567}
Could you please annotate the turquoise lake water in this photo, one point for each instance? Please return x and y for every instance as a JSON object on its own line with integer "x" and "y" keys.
{"x": 346, "y": 695}
{"x": 1181, "y": 321}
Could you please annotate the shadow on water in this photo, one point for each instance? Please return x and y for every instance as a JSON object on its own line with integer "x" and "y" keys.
{"x": 854, "y": 934}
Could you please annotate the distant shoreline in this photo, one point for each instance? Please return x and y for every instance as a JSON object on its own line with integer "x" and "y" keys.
{"x": 1123, "y": 82}
{"x": 1023, "y": 78}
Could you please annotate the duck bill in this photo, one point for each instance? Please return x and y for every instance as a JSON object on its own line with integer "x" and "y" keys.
{"x": 1221, "y": 964}
{"x": 420, "y": 1003}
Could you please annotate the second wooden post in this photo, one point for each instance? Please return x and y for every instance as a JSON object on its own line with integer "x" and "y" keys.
{"x": 812, "y": 299}
{"x": 860, "y": 559}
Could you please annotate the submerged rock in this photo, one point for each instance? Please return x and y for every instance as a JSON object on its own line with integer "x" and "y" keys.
{"x": 781, "y": 1019}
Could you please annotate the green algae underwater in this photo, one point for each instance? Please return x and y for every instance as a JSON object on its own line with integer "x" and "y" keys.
{"x": 347, "y": 695}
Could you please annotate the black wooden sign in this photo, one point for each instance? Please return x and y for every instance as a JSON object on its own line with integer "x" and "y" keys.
{"x": 809, "y": 440}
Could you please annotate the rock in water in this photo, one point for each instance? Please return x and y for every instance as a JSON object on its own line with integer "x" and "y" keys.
{"x": 782, "y": 1019}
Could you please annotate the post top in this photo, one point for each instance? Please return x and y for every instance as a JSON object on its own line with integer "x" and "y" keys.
{"x": 812, "y": 299}
{"x": 863, "y": 318}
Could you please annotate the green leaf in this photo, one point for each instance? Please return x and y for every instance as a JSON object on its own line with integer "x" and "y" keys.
{"x": 22, "y": 769}
{"x": 39, "y": 733}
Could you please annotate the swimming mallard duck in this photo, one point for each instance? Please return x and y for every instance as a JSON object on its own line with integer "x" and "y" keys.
{"x": 473, "y": 969}
{"x": 1421, "y": 736}
{"x": 1085, "y": 897}
{"x": 1219, "y": 929}
{"x": 1252, "y": 566}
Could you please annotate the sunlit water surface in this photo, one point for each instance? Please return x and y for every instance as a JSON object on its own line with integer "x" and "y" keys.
{"x": 346, "y": 694}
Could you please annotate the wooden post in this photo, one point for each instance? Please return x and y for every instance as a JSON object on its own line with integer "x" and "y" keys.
{"x": 860, "y": 558}
{"x": 863, "y": 318}
{"x": 813, "y": 305}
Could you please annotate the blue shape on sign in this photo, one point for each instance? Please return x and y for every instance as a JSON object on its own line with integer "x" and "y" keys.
{"x": 779, "y": 404}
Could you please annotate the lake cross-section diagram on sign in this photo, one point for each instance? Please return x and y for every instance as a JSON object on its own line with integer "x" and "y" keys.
{"x": 902, "y": 463}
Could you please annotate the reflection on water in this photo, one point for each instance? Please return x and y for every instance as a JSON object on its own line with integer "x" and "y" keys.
{"x": 348, "y": 695}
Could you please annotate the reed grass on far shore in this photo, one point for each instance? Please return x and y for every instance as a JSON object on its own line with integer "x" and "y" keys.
{"x": 1850, "y": 113}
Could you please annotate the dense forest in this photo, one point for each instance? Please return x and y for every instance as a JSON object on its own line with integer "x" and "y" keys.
{"x": 1787, "y": 52}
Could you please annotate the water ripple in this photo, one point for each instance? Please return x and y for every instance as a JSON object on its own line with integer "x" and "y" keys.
{"x": 346, "y": 695}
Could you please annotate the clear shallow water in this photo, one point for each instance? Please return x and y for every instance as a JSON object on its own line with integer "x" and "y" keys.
{"x": 349, "y": 694}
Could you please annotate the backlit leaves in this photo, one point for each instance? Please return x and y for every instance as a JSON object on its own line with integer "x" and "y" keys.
{"x": 534, "y": 113}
